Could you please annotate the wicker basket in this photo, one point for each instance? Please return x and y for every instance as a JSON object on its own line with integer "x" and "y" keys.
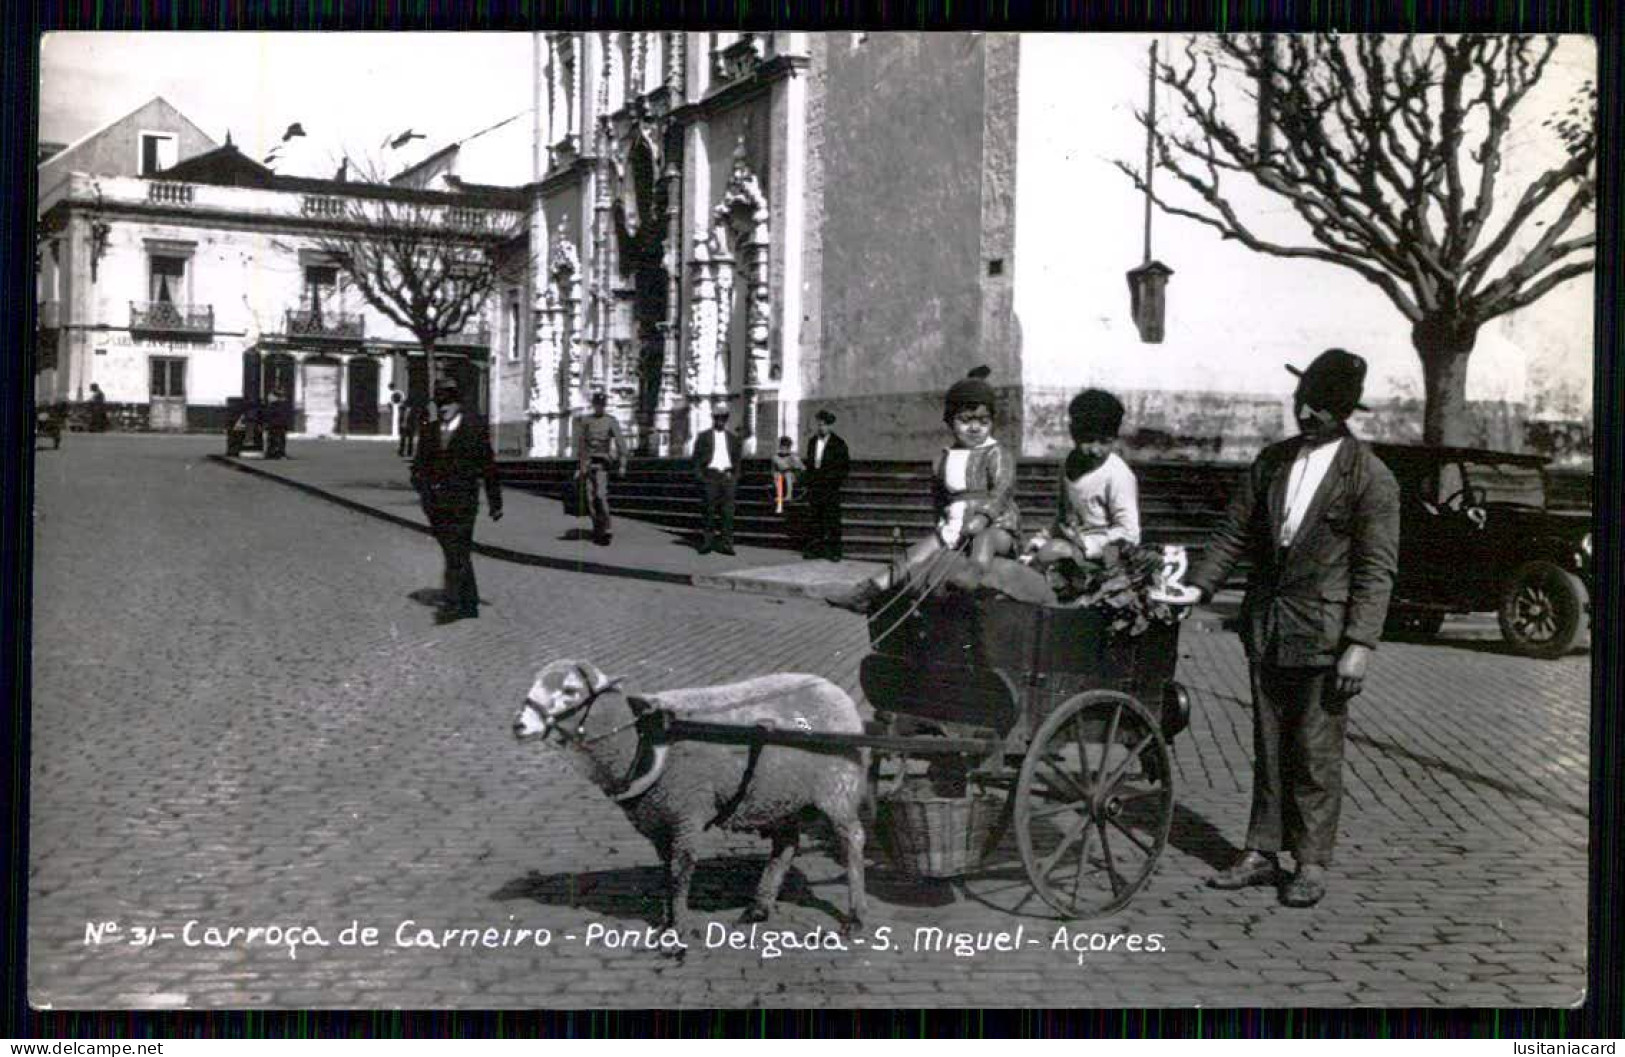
{"x": 936, "y": 836}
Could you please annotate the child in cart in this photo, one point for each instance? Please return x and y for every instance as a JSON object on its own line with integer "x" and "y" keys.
{"x": 975, "y": 481}
{"x": 1099, "y": 496}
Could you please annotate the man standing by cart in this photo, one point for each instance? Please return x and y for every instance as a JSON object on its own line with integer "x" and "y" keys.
{"x": 1318, "y": 518}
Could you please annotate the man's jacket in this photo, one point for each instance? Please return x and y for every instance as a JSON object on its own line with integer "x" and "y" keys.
{"x": 1331, "y": 586}
{"x": 705, "y": 446}
{"x": 447, "y": 470}
{"x": 829, "y": 476}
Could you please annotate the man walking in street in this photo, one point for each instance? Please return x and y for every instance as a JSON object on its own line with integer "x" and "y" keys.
{"x": 1318, "y": 518}
{"x": 717, "y": 455}
{"x": 827, "y": 463}
{"x": 453, "y": 457}
{"x": 598, "y": 446}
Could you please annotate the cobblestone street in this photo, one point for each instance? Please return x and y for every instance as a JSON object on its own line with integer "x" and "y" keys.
{"x": 243, "y": 715}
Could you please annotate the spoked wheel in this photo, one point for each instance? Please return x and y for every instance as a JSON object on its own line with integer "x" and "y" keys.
{"x": 1094, "y": 803}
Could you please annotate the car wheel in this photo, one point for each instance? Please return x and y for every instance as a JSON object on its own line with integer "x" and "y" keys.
{"x": 1542, "y": 610}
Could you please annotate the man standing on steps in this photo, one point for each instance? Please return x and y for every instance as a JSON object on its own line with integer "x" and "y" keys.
{"x": 827, "y": 463}
{"x": 453, "y": 457}
{"x": 599, "y": 446}
{"x": 1318, "y": 518}
{"x": 717, "y": 455}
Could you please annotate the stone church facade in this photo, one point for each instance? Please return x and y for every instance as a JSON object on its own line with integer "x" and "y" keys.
{"x": 707, "y": 230}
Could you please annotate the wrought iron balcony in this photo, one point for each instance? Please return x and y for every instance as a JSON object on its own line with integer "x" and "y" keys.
{"x": 325, "y": 324}
{"x": 171, "y": 319}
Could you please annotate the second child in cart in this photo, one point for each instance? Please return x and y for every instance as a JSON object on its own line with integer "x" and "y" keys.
{"x": 1099, "y": 497}
{"x": 975, "y": 481}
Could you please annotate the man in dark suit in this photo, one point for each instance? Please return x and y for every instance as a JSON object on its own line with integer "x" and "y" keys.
{"x": 827, "y": 464}
{"x": 717, "y": 455}
{"x": 1318, "y": 517}
{"x": 453, "y": 456}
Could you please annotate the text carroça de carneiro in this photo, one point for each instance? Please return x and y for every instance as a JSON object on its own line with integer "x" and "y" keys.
{"x": 764, "y": 941}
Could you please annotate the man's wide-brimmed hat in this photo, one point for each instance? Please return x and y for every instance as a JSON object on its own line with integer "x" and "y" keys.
{"x": 1333, "y": 382}
{"x": 600, "y": 398}
{"x": 826, "y": 417}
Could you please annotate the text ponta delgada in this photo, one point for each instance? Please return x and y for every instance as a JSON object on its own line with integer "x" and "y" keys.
{"x": 763, "y": 941}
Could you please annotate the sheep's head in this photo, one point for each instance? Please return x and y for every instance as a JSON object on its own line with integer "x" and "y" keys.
{"x": 560, "y": 690}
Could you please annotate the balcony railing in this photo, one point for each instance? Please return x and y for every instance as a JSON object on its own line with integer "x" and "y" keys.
{"x": 323, "y": 206}
{"x": 325, "y": 324}
{"x": 170, "y": 194}
{"x": 168, "y": 318}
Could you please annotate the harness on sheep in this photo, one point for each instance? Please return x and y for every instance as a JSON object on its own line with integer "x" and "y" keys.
{"x": 654, "y": 727}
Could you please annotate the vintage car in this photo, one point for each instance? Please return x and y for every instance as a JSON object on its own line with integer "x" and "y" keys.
{"x": 1476, "y": 535}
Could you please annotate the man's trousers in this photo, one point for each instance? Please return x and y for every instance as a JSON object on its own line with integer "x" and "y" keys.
{"x": 456, "y": 537}
{"x": 1299, "y": 724}
{"x": 718, "y": 526}
{"x": 598, "y": 498}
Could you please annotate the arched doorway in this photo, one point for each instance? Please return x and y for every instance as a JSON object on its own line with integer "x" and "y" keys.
{"x": 361, "y": 413}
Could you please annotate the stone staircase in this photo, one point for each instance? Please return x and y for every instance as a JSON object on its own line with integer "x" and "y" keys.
{"x": 1179, "y": 501}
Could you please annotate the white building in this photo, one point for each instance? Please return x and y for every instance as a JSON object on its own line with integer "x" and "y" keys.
{"x": 177, "y": 289}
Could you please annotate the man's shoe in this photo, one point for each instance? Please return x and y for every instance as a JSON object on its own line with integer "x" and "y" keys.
{"x": 1253, "y": 868}
{"x": 448, "y": 616}
{"x": 704, "y": 547}
{"x": 724, "y": 548}
{"x": 1307, "y": 888}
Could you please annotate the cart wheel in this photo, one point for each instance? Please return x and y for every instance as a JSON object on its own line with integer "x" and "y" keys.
{"x": 1094, "y": 803}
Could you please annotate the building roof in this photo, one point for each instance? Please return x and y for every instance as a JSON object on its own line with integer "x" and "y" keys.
{"x": 229, "y": 167}
{"x": 87, "y": 137}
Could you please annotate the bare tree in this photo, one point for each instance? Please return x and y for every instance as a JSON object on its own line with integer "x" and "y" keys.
{"x": 427, "y": 263}
{"x": 1391, "y": 150}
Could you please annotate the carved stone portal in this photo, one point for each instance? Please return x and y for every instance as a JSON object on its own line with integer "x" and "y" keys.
{"x": 734, "y": 252}
{"x": 555, "y": 384}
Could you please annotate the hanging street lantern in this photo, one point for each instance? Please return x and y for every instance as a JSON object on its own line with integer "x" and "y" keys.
{"x": 1147, "y": 289}
{"x": 1148, "y": 284}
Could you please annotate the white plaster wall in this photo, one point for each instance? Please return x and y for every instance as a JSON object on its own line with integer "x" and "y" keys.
{"x": 1234, "y": 317}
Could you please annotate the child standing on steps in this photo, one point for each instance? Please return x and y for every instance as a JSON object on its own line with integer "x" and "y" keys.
{"x": 786, "y": 464}
{"x": 975, "y": 481}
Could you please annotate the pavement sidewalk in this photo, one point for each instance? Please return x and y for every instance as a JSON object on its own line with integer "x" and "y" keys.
{"x": 370, "y": 478}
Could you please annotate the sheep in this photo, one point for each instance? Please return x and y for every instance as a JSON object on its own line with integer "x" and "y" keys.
{"x": 673, "y": 792}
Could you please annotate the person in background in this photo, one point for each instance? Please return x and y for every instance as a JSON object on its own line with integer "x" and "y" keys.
{"x": 278, "y": 415}
{"x": 1317, "y": 516}
{"x": 826, "y": 464}
{"x": 717, "y": 455}
{"x": 1099, "y": 497}
{"x": 453, "y": 457}
{"x": 98, "y": 409}
{"x": 598, "y": 447}
{"x": 412, "y": 421}
{"x": 786, "y": 464}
